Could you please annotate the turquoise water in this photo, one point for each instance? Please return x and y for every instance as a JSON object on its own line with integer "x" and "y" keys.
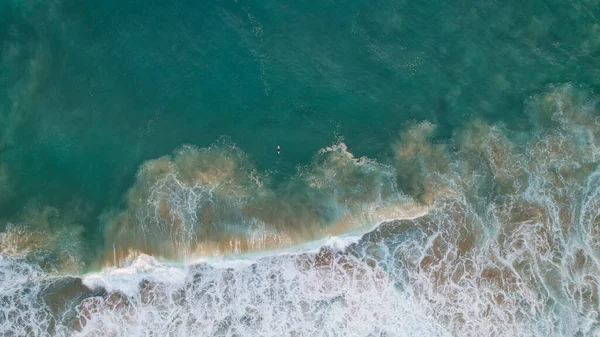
{"x": 93, "y": 90}
{"x": 135, "y": 133}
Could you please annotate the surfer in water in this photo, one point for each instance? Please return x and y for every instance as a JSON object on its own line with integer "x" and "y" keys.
{"x": 278, "y": 149}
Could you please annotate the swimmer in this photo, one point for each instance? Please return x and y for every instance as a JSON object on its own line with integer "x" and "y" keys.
{"x": 278, "y": 149}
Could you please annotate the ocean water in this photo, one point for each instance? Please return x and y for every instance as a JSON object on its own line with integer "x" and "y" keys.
{"x": 438, "y": 176}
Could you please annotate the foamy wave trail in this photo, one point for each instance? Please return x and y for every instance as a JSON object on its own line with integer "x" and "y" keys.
{"x": 507, "y": 244}
{"x": 212, "y": 201}
{"x": 293, "y": 294}
{"x": 275, "y": 296}
{"x": 511, "y": 247}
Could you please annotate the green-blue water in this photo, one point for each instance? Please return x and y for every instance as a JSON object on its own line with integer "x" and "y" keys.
{"x": 91, "y": 90}
{"x": 94, "y": 94}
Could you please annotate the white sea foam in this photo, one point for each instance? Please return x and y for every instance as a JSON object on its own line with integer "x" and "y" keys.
{"x": 127, "y": 279}
{"x": 510, "y": 248}
{"x": 272, "y": 296}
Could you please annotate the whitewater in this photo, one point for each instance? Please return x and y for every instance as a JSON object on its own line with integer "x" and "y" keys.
{"x": 502, "y": 239}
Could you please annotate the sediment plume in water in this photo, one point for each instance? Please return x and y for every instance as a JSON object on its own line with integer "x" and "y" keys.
{"x": 47, "y": 236}
{"x": 509, "y": 244}
{"x": 212, "y": 201}
{"x": 513, "y": 249}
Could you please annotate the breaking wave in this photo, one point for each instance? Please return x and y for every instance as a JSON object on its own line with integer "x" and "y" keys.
{"x": 493, "y": 234}
{"x": 212, "y": 201}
